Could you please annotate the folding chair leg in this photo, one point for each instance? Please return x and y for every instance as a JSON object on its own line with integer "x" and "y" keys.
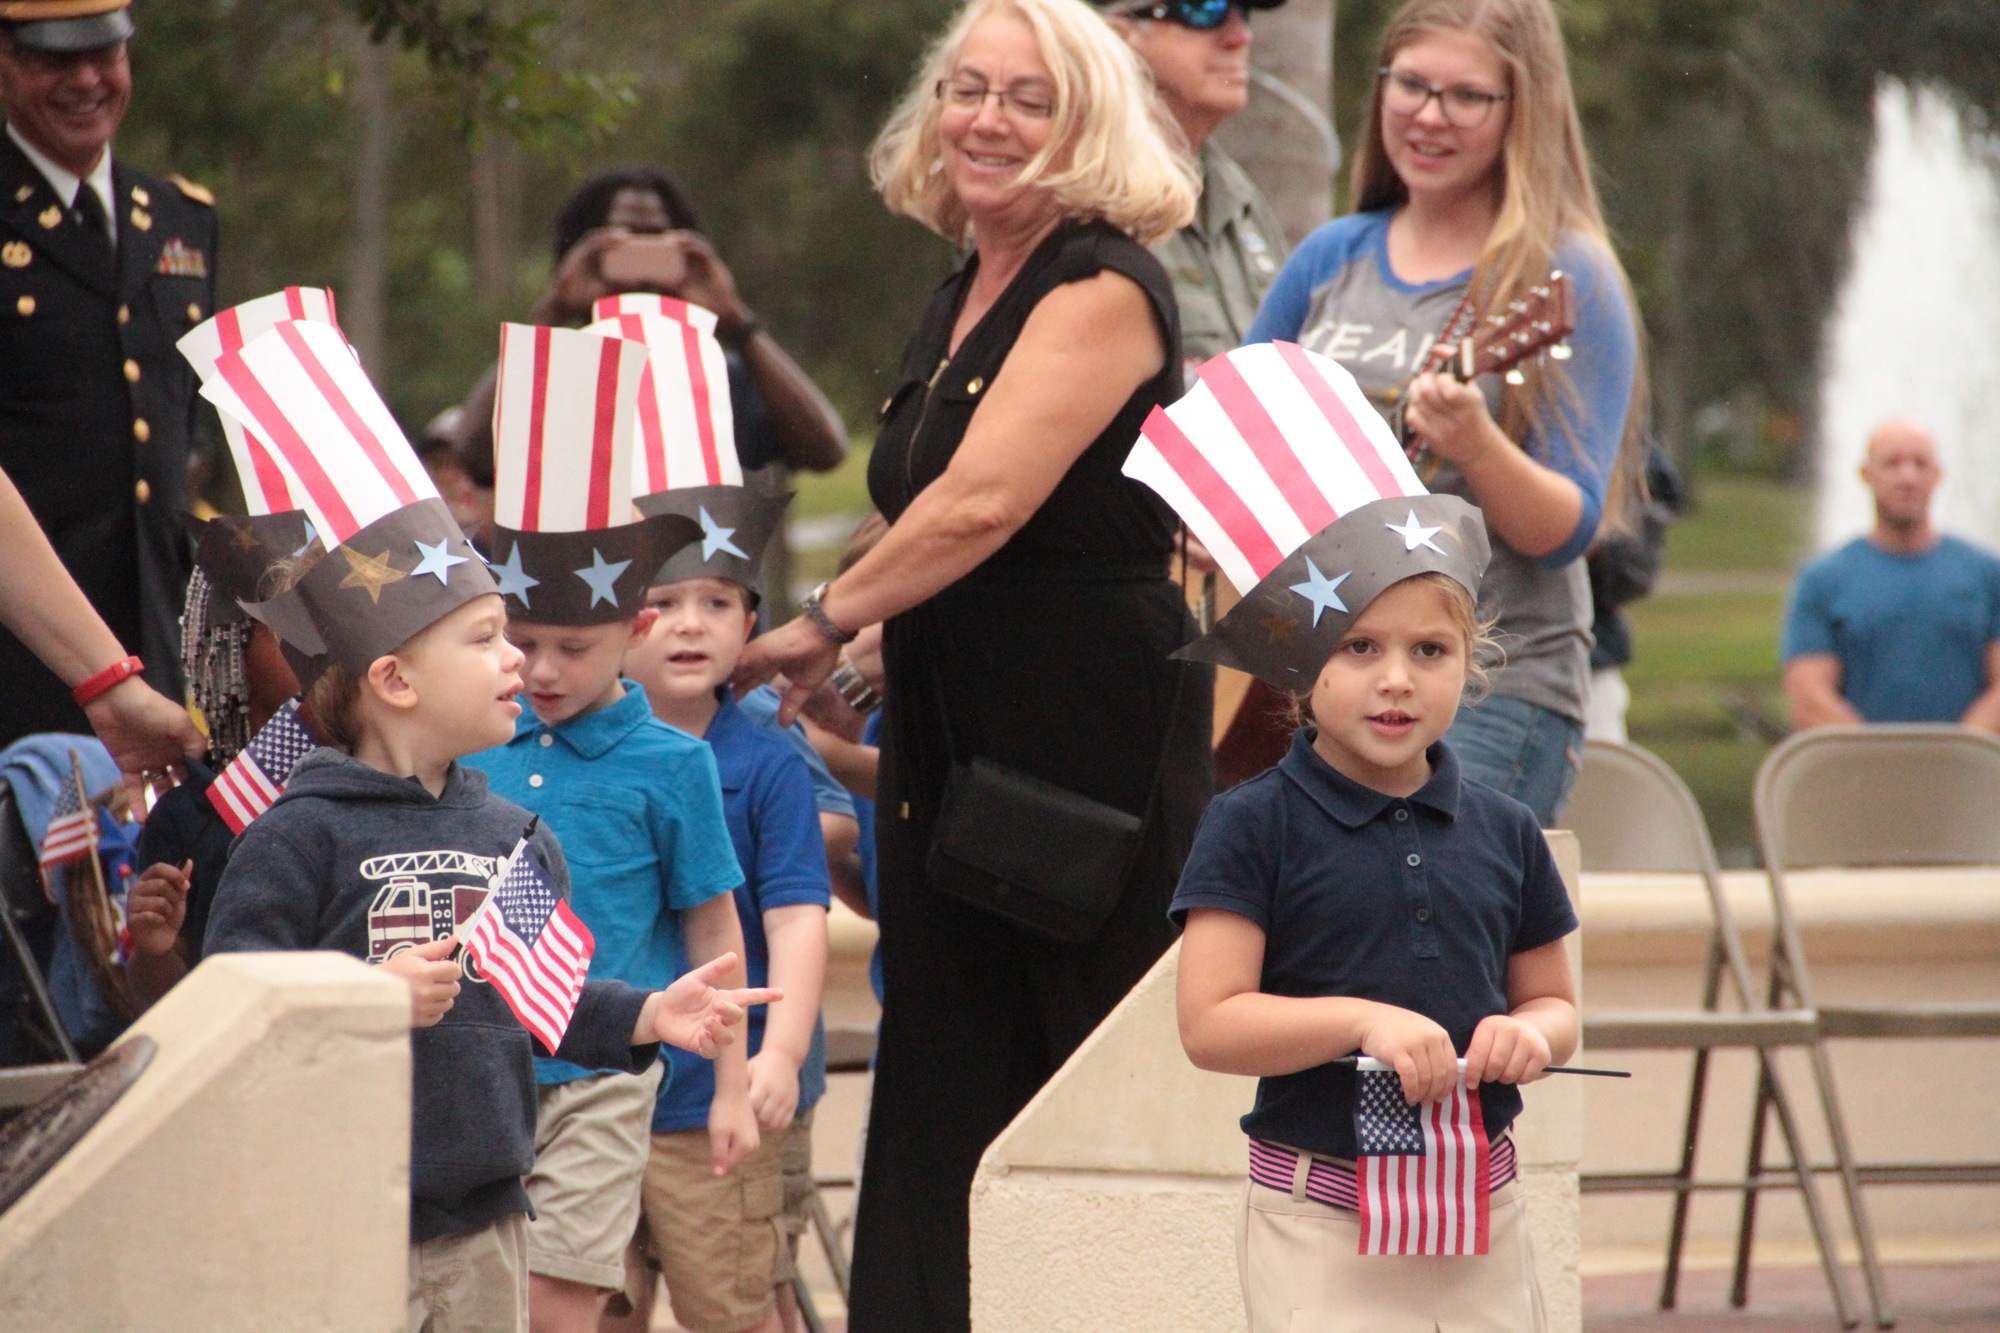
{"x": 38, "y": 987}
{"x": 808, "y": 1312}
{"x": 1850, "y": 1184}
{"x": 829, "y": 1240}
{"x": 1683, "y": 1195}
{"x": 1802, "y": 1174}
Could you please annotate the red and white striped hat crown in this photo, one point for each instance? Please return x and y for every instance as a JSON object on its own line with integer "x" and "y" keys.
{"x": 564, "y": 414}
{"x": 687, "y": 432}
{"x": 265, "y": 490}
{"x": 1271, "y": 445}
{"x": 396, "y": 560}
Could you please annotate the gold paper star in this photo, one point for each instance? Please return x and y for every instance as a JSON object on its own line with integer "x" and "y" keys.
{"x": 245, "y": 540}
{"x": 1279, "y": 628}
{"x": 373, "y": 572}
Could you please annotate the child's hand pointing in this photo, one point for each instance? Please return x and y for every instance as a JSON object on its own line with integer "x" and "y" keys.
{"x": 694, "y": 1014}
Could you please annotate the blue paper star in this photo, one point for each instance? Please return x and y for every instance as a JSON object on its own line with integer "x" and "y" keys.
{"x": 601, "y": 576}
{"x": 1319, "y": 590}
{"x": 1415, "y": 534}
{"x": 715, "y": 537}
{"x": 514, "y": 581}
{"x": 437, "y": 561}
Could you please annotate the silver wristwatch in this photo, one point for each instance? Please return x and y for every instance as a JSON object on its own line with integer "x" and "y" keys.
{"x": 811, "y": 609}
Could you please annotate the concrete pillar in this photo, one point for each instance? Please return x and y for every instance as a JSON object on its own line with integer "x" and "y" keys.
{"x": 1111, "y": 1200}
{"x": 255, "y": 1177}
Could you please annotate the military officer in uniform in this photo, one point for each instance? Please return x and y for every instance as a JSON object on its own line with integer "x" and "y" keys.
{"x": 102, "y": 269}
{"x": 1223, "y": 262}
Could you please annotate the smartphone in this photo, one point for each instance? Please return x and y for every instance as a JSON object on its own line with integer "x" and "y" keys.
{"x": 653, "y": 263}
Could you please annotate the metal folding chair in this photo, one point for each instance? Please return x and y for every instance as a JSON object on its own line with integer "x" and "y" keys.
{"x": 1631, "y": 813}
{"x": 849, "y": 1050}
{"x": 1854, "y": 797}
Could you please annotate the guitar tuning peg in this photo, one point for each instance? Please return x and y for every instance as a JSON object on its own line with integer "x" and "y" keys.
{"x": 1560, "y": 352}
{"x": 1516, "y": 378}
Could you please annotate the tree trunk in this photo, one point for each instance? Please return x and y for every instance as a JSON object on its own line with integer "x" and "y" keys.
{"x": 365, "y": 299}
{"x": 1283, "y": 146}
{"x": 496, "y": 205}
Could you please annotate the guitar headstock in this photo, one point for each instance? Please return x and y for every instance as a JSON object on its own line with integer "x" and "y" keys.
{"x": 1540, "y": 320}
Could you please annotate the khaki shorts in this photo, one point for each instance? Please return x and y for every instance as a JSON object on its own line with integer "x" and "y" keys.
{"x": 724, "y": 1246}
{"x": 1303, "y": 1272}
{"x": 473, "y": 1281}
{"x": 590, "y": 1156}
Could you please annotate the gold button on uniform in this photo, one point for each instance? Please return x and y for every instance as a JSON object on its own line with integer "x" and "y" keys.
{"x": 124, "y": 314}
{"x": 978, "y": 382}
{"x": 26, "y": 305}
{"x": 142, "y": 431}
{"x": 142, "y": 490}
{"x": 131, "y": 371}
{"x": 194, "y": 311}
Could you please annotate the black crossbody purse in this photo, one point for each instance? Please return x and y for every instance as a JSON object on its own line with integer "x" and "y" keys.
{"x": 1033, "y": 853}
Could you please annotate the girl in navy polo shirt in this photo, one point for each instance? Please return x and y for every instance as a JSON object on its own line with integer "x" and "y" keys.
{"x": 1364, "y": 898}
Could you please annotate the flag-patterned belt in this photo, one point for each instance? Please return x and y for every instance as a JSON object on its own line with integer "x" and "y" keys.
{"x": 1334, "y": 1183}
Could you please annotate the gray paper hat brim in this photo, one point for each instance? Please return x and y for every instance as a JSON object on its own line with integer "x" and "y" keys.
{"x": 730, "y": 545}
{"x": 1285, "y": 628}
{"x": 376, "y": 591}
{"x": 244, "y": 555}
{"x": 593, "y": 577}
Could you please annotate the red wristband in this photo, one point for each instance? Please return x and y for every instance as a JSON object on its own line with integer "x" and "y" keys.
{"x": 90, "y": 688}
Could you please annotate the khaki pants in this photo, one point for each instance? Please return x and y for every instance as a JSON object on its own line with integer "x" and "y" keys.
{"x": 471, "y": 1282}
{"x": 1303, "y": 1272}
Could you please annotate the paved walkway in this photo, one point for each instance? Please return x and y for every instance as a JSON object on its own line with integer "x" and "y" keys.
{"x": 1926, "y": 1298}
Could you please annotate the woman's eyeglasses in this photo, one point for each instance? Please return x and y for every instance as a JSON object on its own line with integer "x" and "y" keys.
{"x": 1201, "y": 15}
{"x": 1463, "y": 108}
{"x": 1028, "y": 99}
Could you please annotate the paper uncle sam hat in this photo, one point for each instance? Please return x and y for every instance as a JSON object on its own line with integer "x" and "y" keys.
{"x": 1296, "y": 485}
{"x": 734, "y": 524}
{"x": 566, "y": 548}
{"x": 686, "y": 428}
{"x": 396, "y": 561}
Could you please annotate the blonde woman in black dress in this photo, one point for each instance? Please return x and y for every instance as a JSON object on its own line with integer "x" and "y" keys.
{"x": 1023, "y": 586}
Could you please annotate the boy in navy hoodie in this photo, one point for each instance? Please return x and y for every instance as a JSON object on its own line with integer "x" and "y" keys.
{"x": 388, "y": 852}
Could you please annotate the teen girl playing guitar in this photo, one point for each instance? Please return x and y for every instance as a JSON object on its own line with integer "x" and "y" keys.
{"x": 1470, "y": 185}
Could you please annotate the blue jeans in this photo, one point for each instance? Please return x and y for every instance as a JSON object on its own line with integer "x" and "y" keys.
{"x": 1515, "y": 747}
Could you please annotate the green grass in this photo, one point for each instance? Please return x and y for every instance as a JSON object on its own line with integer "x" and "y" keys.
{"x": 841, "y": 491}
{"x": 1704, "y": 680}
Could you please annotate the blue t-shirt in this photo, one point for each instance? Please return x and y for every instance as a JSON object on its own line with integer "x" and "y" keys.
{"x": 1415, "y": 902}
{"x": 774, "y": 826}
{"x": 638, "y": 810}
{"x": 761, "y": 707}
{"x": 1911, "y": 631}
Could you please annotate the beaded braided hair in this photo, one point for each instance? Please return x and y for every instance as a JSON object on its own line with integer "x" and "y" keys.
{"x": 216, "y": 659}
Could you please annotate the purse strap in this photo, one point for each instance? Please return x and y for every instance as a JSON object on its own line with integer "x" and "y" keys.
{"x": 1166, "y": 740}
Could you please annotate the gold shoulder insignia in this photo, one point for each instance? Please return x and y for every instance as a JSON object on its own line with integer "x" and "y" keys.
{"x": 201, "y": 194}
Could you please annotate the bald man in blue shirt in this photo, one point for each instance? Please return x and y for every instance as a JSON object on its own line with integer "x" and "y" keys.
{"x": 1902, "y": 625}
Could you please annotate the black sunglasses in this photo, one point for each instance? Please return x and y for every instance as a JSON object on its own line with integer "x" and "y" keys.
{"x": 1201, "y": 15}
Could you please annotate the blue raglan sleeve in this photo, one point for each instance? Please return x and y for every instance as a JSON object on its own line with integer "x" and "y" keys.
{"x": 1282, "y": 316}
{"x": 691, "y": 833}
{"x": 1602, "y": 367}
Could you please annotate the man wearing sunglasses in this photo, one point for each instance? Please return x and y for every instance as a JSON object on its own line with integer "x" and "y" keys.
{"x": 1222, "y": 263}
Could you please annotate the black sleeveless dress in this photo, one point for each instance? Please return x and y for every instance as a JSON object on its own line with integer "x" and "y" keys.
{"x": 1051, "y": 657}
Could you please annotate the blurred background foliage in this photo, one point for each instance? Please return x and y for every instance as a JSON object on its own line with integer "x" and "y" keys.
{"x": 411, "y": 153}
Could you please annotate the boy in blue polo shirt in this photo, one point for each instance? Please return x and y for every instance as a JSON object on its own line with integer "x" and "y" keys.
{"x": 719, "y": 1243}
{"x": 636, "y": 804}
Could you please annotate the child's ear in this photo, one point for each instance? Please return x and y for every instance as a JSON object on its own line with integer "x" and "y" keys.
{"x": 387, "y": 681}
{"x": 642, "y": 625}
{"x": 749, "y": 623}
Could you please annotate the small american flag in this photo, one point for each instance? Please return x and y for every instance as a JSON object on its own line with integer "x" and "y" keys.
{"x": 531, "y": 947}
{"x": 1423, "y": 1170}
{"x": 72, "y": 831}
{"x": 258, "y": 774}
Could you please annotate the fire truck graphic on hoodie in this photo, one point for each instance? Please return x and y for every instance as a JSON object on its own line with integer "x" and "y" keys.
{"x": 425, "y": 897}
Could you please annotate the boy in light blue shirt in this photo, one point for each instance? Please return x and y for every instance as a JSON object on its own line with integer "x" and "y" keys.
{"x": 635, "y": 803}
